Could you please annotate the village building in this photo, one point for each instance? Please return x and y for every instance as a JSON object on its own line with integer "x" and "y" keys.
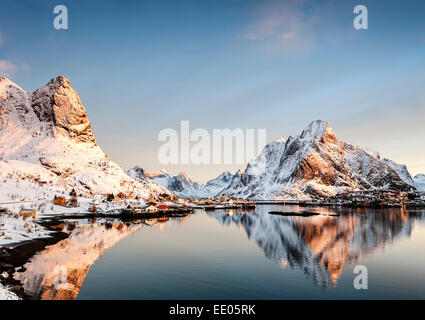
{"x": 28, "y": 213}
{"x": 163, "y": 208}
{"x": 150, "y": 222}
{"x": 151, "y": 209}
{"x": 163, "y": 219}
{"x": 59, "y": 201}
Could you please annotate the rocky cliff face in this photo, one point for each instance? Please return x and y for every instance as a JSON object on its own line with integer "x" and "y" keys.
{"x": 59, "y": 106}
{"x": 314, "y": 164}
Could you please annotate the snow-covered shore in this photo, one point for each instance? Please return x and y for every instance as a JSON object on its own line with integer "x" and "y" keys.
{"x": 18, "y": 195}
{"x": 5, "y": 294}
{"x": 14, "y": 228}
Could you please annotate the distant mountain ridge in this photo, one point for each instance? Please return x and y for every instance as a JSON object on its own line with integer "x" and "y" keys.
{"x": 181, "y": 185}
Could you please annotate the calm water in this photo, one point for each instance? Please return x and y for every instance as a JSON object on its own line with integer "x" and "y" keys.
{"x": 237, "y": 255}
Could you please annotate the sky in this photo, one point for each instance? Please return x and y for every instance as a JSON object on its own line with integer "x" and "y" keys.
{"x": 144, "y": 66}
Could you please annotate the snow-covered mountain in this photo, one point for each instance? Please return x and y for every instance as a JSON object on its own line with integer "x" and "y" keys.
{"x": 46, "y": 138}
{"x": 420, "y": 182}
{"x": 314, "y": 164}
{"x": 311, "y": 165}
{"x": 181, "y": 185}
{"x": 219, "y": 184}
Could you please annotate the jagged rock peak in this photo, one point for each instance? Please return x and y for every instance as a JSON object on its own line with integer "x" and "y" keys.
{"x": 184, "y": 176}
{"x": 225, "y": 175}
{"x": 58, "y": 104}
{"x": 321, "y": 131}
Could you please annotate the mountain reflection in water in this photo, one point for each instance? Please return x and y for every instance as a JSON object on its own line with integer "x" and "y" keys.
{"x": 321, "y": 245}
{"x": 191, "y": 255}
{"x": 58, "y": 272}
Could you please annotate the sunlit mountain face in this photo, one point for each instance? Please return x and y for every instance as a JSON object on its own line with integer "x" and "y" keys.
{"x": 321, "y": 245}
{"x": 58, "y": 272}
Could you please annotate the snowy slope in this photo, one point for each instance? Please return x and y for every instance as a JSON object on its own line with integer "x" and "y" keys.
{"x": 181, "y": 185}
{"x": 46, "y": 137}
{"x": 5, "y": 294}
{"x": 219, "y": 184}
{"x": 420, "y": 181}
{"x": 14, "y": 228}
{"x": 402, "y": 171}
{"x": 315, "y": 164}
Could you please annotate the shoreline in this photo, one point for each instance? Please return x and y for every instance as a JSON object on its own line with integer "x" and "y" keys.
{"x": 15, "y": 255}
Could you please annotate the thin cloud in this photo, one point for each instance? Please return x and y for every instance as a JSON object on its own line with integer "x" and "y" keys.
{"x": 8, "y": 68}
{"x": 282, "y": 26}
{"x": 288, "y": 35}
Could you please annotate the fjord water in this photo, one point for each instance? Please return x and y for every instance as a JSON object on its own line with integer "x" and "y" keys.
{"x": 254, "y": 255}
{"x": 238, "y": 255}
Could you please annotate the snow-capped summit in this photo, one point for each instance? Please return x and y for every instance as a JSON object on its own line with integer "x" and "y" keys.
{"x": 319, "y": 130}
{"x": 46, "y": 137}
{"x": 314, "y": 164}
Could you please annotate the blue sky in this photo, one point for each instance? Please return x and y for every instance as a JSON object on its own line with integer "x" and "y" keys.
{"x": 142, "y": 66}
